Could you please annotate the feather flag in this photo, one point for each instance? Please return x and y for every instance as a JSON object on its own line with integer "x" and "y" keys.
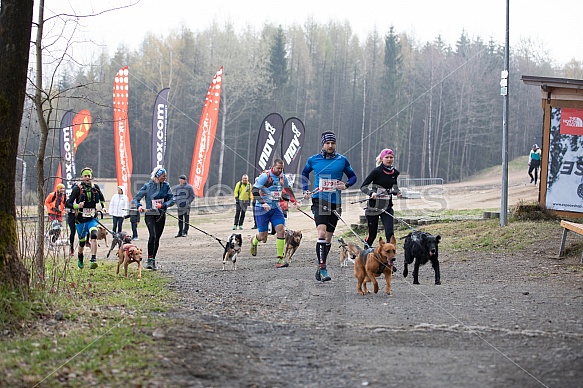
{"x": 159, "y": 128}
{"x": 292, "y": 142}
{"x": 81, "y": 127}
{"x": 270, "y": 132}
{"x": 205, "y": 136}
{"x": 66, "y": 169}
{"x": 121, "y": 136}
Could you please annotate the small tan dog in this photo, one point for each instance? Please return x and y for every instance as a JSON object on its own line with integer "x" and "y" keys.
{"x": 293, "y": 238}
{"x": 102, "y": 234}
{"x": 345, "y": 254}
{"x": 369, "y": 265}
{"x": 127, "y": 254}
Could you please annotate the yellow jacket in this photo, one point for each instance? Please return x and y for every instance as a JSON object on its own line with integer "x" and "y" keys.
{"x": 243, "y": 191}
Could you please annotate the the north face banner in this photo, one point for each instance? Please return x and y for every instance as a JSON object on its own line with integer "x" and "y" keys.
{"x": 270, "y": 132}
{"x": 571, "y": 122}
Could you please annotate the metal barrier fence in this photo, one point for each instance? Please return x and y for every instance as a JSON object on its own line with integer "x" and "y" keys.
{"x": 419, "y": 182}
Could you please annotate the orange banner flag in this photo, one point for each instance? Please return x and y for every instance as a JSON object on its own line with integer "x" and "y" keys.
{"x": 121, "y": 134}
{"x": 205, "y": 136}
{"x": 81, "y": 127}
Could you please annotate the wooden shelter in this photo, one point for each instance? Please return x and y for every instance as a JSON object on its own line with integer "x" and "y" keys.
{"x": 561, "y": 175}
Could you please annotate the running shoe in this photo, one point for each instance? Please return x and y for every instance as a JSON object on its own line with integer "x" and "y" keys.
{"x": 281, "y": 263}
{"x": 323, "y": 275}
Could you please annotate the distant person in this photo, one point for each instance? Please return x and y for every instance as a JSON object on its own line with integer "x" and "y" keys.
{"x": 118, "y": 206}
{"x": 55, "y": 203}
{"x": 534, "y": 163}
{"x": 158, "y": 197}
{"x": 329, "y": 167}
{"x": 184, "y": 195}
{"x": 135, "y": 221}
{"x": 379, "y": 186}
{"x": 243, "y": 197}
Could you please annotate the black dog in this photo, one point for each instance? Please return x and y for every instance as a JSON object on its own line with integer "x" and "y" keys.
{"x": 119, "y": 239}
{"x": 232, "y": 249}
{"x": 421, "y": 247}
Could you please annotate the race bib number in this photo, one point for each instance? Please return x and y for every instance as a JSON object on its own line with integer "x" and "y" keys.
{"x": 327, "y": 185}
{"x": 276, "y": 195}
{"x": 88, "y": 212}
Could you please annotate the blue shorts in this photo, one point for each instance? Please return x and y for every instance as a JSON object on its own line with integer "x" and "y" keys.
{"x": 275, "y": 216}
{"x": 85, "y": 228}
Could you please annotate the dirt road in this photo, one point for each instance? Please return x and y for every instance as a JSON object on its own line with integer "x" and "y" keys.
{"x": 496, "y": 320}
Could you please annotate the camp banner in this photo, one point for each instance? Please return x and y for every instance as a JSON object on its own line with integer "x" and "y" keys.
{"x": 159, "y": 128}
{"x": 565, "y": 161}
{"x": 270, "y": 132}
{"x": 121, "y": 134}
{"x": 292, "y": 142}
{"x": 66, "y": 168}
{"x": 205, "y": 136}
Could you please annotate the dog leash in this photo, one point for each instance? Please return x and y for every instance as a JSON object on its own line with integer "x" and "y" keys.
{"x": 395, "y": 218}
{"x": 194, "y": 227}
{"x": 353, "y": 232}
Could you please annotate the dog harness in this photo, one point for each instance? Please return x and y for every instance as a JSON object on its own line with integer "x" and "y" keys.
{"x": 126, "y": 249}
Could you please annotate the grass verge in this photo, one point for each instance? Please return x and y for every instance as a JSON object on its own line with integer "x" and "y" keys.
{"x": 96, "y": 331}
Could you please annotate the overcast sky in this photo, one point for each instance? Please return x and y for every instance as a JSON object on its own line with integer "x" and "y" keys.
{"x": 554, "y": 26}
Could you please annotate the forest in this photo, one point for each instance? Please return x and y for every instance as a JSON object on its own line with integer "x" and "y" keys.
{"x": 438, "y": 107}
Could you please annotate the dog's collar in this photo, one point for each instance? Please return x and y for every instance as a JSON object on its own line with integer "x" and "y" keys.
{"x": 382, "y": 265}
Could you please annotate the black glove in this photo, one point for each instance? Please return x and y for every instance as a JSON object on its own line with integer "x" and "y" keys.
{"x": 237, "y": 201}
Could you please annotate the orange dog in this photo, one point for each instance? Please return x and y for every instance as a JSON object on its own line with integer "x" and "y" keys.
{"x": 369, "y": 265}
{"x": 127, "y": 254}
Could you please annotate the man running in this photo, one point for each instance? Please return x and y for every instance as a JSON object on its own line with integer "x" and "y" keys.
{"x": 267, "y": 191}
{"x": 328, "y": 167}
{"x": 84, "y": 199}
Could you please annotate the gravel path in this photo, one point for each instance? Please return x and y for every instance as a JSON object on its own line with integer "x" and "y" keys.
{"x": 496, "y": 320}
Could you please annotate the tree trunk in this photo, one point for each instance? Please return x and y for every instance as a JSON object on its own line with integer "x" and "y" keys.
{"x": 15, "y": 29}
{"x": 39, "y": 262}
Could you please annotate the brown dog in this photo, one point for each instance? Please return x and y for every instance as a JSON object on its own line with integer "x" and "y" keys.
{"x": 293, "y": 238}
{"x": 379, "y": 261}
{"x": 127, "y": 254}
{"x": 102, "y": 234}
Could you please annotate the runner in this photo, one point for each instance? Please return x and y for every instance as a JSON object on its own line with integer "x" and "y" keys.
{"x": 158, "y": 196}
{"x": 267, "y": 191}
{"x": 84, "y": 199}
{"x": 328, "y": 167}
